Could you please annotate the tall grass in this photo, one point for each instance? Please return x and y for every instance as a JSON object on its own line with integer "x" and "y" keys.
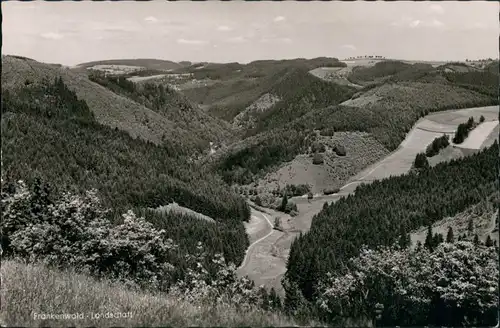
{"x": 34, "y": 288}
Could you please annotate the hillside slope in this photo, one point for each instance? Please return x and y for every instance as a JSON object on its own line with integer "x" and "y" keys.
{"x": 109, "y": 108}
{"x": 169, "y": 103}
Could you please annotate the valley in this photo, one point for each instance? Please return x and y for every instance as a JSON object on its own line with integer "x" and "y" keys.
{"x": 268, "y": 261}
{"x": 257, "y": 179}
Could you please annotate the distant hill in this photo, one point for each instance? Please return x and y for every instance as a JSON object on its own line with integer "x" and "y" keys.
{"x": 158, "y": 64}
{"x": 109, "y": 108}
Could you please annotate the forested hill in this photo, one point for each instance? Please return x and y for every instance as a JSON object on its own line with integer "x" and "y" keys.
{"x": 170, "y": 104}
{"x": 384, "y": 212}
{"x": 48, "y": 132}
{"x": 110, "y": 109}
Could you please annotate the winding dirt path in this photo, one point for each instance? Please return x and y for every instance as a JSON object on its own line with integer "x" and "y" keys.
{"x": 251, "y": 247}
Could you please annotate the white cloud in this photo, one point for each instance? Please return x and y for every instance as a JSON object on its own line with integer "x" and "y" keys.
{"x": 279, "y": 18}
{"x": 151, "y": 19}
{"x": 403, "y": 21}
{"x": 348, "y": 46}
{"x": 52, "y": 36}
{"x": 191, "y": 42}
{"x": 236, "y": 39}
{"x": 436, "y": 23}
{"x": 224, "y": 28}
{"x": 436, "y": 8}
{"x": 415, "y": 23}
{"x": 276, "y": 40}
{"x": 476, "y": 26}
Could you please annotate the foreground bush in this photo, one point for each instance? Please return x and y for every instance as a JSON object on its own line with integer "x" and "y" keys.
{"x": 455, "y": 285}
{"x": 73, "y": 231}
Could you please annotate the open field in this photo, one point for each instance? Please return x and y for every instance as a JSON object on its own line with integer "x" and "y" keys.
{"x": 145, "y": 78}
{"x": 267, "y": 255}
{"x": 479, "y": 135}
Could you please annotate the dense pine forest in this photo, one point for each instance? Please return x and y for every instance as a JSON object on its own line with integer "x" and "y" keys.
{"x": 382, "y": 212}
{"x": 48, "y": 133}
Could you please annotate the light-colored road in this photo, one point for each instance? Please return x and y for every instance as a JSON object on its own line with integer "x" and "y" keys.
{"x": 250, "y": 248}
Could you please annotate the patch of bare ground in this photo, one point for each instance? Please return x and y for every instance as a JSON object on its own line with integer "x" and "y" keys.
{"x": 483, "y": 215}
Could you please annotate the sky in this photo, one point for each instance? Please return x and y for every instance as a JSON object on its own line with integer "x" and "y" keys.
{"x": 69, "y": 33}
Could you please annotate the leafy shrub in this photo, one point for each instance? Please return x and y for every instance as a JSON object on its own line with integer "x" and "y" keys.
{"x": 317, "y": 159}
{"x": 339, "y": 150}
{"x": 421, "y": 161}
{"x": 290, "y": 206}
{"x": 318, "y": 147}
{"x": 328, "y": 132}
{"x": 330, "y": 191}
{"x": 74, "y": 231}
{"x": 436, "y": 145}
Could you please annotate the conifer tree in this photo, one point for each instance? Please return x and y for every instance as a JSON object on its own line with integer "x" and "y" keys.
{"x": 284, "y": 202}
{"x": 489, "y": 242}
{"x": 449, "y": 236}
{"x": 476, "y": 239}
{"x": 470, "y": 227}
{"x": 429, "y": 242}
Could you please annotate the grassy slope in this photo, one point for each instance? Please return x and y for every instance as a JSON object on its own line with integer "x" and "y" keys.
{"x": 109, "y": 108}
{"x": 29, "y": 289}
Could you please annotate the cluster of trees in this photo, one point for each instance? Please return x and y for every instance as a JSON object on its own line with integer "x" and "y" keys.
{"x": 380, "y": 212}
{"x": 454, "y": 285}
{"x": 277, "y": 146}
{"x": 48, "y": 133}
{"x": 463, "y": 130}
{"x": 379, "y": 70}
{"x": 436, "y": 145}
{"x": 421, "y": 161}
{"x": 293, "y": 190}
